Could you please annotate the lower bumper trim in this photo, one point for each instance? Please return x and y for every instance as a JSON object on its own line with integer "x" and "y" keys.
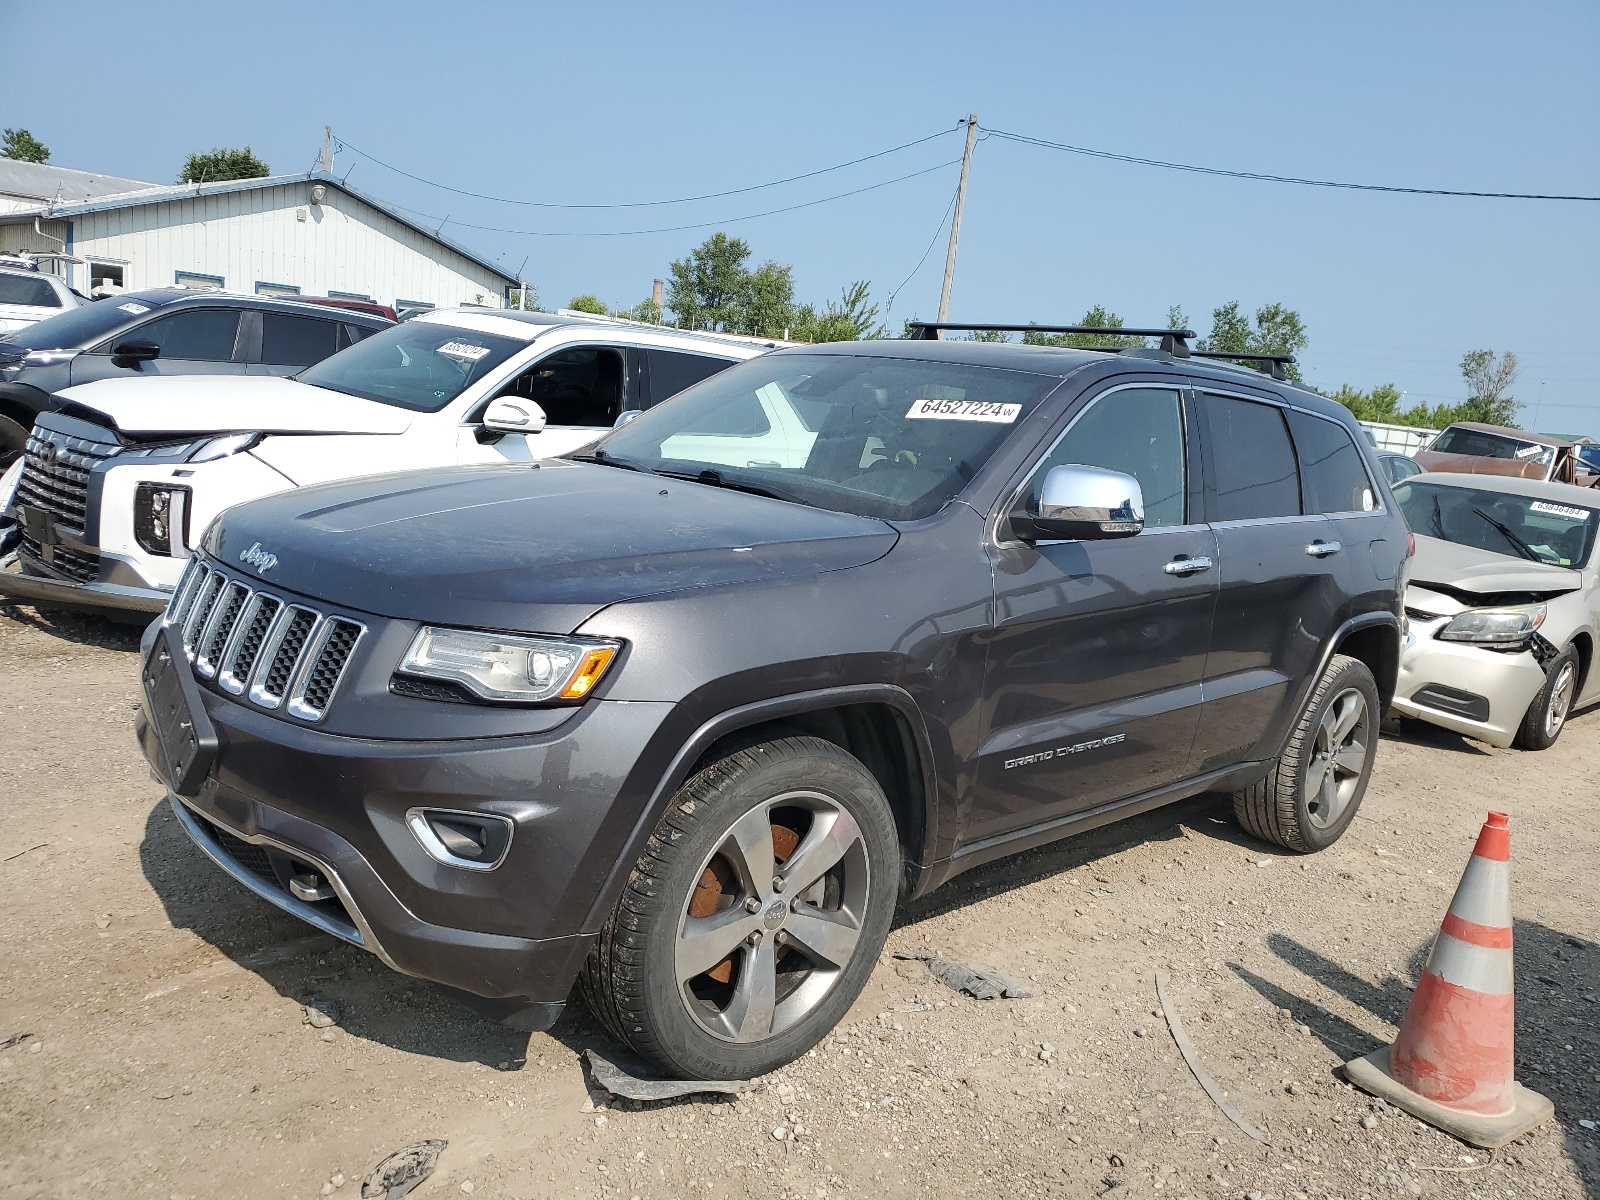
{"x": 116, "y": 597}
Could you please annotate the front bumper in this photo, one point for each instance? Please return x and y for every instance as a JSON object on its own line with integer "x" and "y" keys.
{"x": 1467, "y": 678}
{"x": 282, "y": 798}
{"x": 99, "y": 597}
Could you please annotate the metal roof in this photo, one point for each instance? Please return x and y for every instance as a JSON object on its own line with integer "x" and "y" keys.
{"x": 142, "y": 194}
{"x": 41, "y": 181}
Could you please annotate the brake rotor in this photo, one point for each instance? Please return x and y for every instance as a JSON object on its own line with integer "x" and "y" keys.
{"x": 719, "y": 880}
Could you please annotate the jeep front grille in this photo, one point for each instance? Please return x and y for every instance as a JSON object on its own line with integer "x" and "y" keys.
{"x": 276, "y": 654}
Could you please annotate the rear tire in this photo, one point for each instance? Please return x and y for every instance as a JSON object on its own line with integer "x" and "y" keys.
{"x": 755, "y": 915}
{"x": 1547, "y": 715}
{"x": 1314, "y": 788}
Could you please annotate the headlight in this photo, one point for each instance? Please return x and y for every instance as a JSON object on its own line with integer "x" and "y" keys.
{"x": 1498, "y": 628}
{"x": 221, "y": 447}
{"x": 508, "y": 668}
{"x": 161, "y": 519}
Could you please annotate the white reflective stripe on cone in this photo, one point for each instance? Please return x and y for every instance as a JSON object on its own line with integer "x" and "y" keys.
{"x": 1484, "y": 895}
{"x": 1469, "y": 966}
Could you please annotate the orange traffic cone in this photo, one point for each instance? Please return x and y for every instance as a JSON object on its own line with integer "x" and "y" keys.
{"x": 1451, "y": 1063}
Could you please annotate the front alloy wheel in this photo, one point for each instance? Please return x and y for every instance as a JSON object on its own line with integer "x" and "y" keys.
{"x": 1547, "y": 715}
{"x": 755, "y": 915}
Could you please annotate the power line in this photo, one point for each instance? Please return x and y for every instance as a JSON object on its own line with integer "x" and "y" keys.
{"x": 1255, "y": 175}
{"x": 889, "y": 305}
{"x": 771, "y": 212}
{"x": 755, "y": 187}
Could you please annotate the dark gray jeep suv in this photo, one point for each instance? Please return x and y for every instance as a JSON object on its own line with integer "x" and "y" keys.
{"x": 684, "y": 715}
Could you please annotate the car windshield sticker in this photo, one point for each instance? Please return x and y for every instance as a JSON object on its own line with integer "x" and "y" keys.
{"x": 964, "y": 410}
{"x": 465, "y": 351}
{"x": 133, "y": 308}
{"x": 1531, "y": 452}
{"x": 1561, "y": 510}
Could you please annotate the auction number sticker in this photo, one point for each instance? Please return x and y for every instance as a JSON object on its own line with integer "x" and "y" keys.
{"x": 465, "y": 351}
{"x": 135, "y": 309}
{"x": 964, "y": 410}
{"x": 1561, "y": 510}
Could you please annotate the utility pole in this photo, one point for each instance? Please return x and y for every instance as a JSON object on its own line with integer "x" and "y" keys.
{"x": 955, "y": 223}
{"x": 327, "y": 149}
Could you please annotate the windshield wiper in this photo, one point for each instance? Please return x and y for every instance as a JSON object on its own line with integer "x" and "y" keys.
{"x": 1438, "y": 519}
{"x": 1522, "y": 547}
{"x": 612, "y": 460}
{"x": 718, "y": 479}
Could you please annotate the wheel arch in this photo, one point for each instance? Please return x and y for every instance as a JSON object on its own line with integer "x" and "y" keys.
{"x": 1377, "y": 644}
{"x": 1584, "y": 641}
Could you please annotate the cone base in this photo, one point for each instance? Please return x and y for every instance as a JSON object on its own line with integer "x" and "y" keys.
{"x": 1371, "y": 1074}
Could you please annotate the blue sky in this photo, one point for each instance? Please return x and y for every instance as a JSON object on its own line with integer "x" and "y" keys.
{"x": 628, "y": 102}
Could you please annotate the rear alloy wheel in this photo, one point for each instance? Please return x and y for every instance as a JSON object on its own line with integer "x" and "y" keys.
{"x": 754, "y": 917}
{"x": 1547, "y": 715}
{"x": 1314, "y": 788}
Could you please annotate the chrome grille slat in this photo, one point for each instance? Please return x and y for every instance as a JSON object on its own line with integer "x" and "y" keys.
{"x": 323, "y": 666}
{"x": 183, "y": 594}
{"x": 224, "y": 616}
{"x": 239, "y": 659}
{"x": 281, "y": 655}
{"x": 201, "y": 613}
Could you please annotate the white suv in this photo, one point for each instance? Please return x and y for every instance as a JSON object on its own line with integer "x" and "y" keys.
{"x": 28, "y": 295}
{"x": 123, "y": 477}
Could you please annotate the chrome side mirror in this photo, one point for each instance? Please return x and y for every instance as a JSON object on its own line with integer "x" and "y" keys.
{"x": 1089, "y": 503}
{"x": 508, "y": 414}
{"x": 625, "y": 416}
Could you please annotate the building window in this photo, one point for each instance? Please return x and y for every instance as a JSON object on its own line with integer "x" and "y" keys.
{"x": 106, "y": 275}
{"x": 194, "y": 279}
{"x": 276, "y": 289}
{"x": 349, "y": 296}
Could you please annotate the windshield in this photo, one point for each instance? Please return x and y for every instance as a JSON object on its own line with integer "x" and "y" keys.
{"x": 1527, "y": 527}
{"x": 80, "y": 328}
{"x": 1480, "y": 444}
{"x": 421, "y": 365}
{"x": 879, "y": 437}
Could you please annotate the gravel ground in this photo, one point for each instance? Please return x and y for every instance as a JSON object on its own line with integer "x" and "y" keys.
{"x": 170, "y": 1057}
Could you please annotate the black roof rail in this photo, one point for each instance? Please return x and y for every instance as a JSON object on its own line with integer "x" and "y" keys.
{"x": 1174, "y": 341}
{"x": 1275, "y": 363}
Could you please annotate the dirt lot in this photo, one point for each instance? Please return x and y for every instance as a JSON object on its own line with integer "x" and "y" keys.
{"x": 169, "y": 1056}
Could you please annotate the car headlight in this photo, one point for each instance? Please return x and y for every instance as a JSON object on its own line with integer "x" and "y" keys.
{"x": 1497, "y": 628}
{"x": 161, "y": 519}
{"x": 509, "y": 668}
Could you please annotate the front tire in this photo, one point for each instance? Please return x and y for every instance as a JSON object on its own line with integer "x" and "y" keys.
{"x": 755, "y": 915}
{"x": 1314, "y": 788}
{"x": 1547, "y": 715}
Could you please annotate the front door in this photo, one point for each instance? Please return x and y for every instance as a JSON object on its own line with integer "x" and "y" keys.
{"x": 201, "y": 340}
{"x": 1092, "y": 689}
{"x": 1280, "y": 592}
{"x": 582, "y": 390}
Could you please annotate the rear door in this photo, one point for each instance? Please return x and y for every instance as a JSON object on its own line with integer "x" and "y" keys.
{"x": 1278, "y": 574}
{"x": 200, "y": 339}
{"x": 1092, "y": 691}
{"x": 287, "y": 343}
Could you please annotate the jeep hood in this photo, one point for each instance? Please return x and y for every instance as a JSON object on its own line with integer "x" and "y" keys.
{"x": 1452, "y": 568}
{"x": 536, "y": 547}
{"x": 185, "y": 404}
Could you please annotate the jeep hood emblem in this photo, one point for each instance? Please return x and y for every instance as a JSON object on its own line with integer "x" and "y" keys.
{"x": 262, "y": 560}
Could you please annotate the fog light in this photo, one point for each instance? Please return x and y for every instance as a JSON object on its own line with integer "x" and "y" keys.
{"x": 161, "y": 519}
{"x": 475, "y": 841}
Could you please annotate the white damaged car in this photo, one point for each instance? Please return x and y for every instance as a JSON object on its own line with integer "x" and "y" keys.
{"x": 1502, "y": 608}
{"x": 123, "y": 477}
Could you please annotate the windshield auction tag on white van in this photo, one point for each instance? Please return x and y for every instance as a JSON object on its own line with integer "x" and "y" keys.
{"x": 463, "y": 350}
{"x": 964, "y": 410}
{"x": 135, "y": 309}
{"x": 1560, "y": 510}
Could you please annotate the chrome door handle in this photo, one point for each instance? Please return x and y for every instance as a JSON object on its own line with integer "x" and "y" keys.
{"x": 1323, "y": 549}
{"x": 1187, "y": 566}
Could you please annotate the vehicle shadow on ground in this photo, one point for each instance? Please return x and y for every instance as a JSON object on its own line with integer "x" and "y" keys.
{"x": 1436, "y": 737}
{"x": 84, "y": 629}
{"x": 1557, "y": 1031}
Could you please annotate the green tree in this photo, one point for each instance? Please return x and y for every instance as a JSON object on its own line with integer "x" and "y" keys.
{"x": 1177, "y": 318}
{"x": 1489, "y": 381}
{"x": 767, "y": 307}
{"x": 709, "y": 288}
{"x": 222, "y": 163}
{"x": 1098, "y": 317}
{"x": 1277, "y": 330}
{"x": 647, "y": 312}
{"x": 22, "y": 146}
{"x": 849, "y": 319}
{"x": 524, "y": 297}
{"x": 1382, "y": 404}
{"x": 589, "y": 304}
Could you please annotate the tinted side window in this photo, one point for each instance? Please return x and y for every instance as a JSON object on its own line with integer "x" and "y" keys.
{"x": 671, "y": 371}
{"x": 288, "y": 341}
{"x": 35, "y": 293}
{"x": 1138, "y": 431}
{"x": 1331, "y": 469}
{"x": 204, "y": 334}
{"x": 1253, "y": 458}
{"x": 581, "y": 386}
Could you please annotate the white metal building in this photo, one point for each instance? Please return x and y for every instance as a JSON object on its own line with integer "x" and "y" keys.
{"x": 281, "y": 235}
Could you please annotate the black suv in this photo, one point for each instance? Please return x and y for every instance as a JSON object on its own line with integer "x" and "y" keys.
{"x": 163, "y": 331}
{"x": 684, "y": 715}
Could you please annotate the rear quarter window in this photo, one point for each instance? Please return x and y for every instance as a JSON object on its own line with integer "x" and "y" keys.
{"x": 1331, "y": 469}
{"x": 294, "y": 341}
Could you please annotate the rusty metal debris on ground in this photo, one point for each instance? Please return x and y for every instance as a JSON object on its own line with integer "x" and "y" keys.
{"x": 403, "y": 1170}
{"x": 981, "y": 983}
{"x": 1186, "y": 1048}
{"x": 630, "y": 1087}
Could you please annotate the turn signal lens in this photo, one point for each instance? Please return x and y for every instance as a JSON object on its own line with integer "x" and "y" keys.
{"x": 588, "y": 674}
